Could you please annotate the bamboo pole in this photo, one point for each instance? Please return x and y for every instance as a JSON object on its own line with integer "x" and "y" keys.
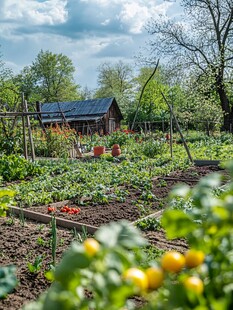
{"x": 24, "y": 131}
{"x": 178, "y": 128}
{"x": 29, "y": 131}
{"x": 13, "y": 114}
{"x": 171, "y": 135}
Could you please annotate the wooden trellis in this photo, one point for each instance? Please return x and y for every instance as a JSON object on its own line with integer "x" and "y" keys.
{"x": 25, "y": 115}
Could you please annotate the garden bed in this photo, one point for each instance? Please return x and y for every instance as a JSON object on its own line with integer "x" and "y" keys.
{"x": 22, "y": 240}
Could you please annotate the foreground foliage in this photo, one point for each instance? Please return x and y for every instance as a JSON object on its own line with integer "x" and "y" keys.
{"x": 8, "y": 279}
{"x": 104, "y": 273}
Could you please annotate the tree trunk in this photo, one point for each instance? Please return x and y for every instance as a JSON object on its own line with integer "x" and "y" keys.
{"x": 227, "y": 110}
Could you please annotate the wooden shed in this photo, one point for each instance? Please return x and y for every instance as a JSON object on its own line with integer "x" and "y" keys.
{"x": 100, "y": 115}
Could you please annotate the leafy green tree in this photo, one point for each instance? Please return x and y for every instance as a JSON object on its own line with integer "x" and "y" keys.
{"x": 10, "y": 101}
{"x": 115, "y": 80}
{"x": 26, "y": 82}
{"x": 203, "y": 42}
{"x": 200, "y": 109}
{"x": 53, "y": 77}
{"x": 152, "y": 104}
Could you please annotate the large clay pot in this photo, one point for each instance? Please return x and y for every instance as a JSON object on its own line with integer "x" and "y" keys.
{"x": 99, "y": 150}
{"x": 116, "y": 151}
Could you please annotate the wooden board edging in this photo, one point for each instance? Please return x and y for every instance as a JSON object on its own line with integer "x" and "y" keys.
{"x": 44, "y": 218}
{"x": 206, "y": 162}
{"x": 156, "y": 215}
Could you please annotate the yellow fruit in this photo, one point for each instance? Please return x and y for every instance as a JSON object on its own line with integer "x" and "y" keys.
{"x": 194, "y": 258}
{"x": 194, "y": 284}
{"x": 173, "y": 261}
{"x": 91, "y": 246}
{"x": 155, "y": 277}
{"x": 138, "y": 277}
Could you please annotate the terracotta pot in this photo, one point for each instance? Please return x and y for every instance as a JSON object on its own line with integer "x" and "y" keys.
{"x": 167, "y": 136}
{"x": 116, "y": 151}
{"x": 99, "y": 150}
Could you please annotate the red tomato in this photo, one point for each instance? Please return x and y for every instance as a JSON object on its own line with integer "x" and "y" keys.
{"x": 51, "y": 209}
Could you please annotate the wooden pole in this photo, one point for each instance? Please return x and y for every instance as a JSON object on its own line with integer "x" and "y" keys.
{"x": 178, "y": 128}
{"x": 171, "y": 135}
{"x": 140, "y": 98}
{"x": 29, "y": 131}
{"x": 24, "y": 131}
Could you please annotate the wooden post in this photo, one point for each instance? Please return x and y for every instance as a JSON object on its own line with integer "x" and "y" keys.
{"x": 24, "y": 131}
{"x": 208, "y": 128}
{"x": 171, "y": 135}
{"x": 38, "y": 109}
{"x": 29, "y": 131}
{"x": 178, "y": 128}
{"x": 163, "y": 125}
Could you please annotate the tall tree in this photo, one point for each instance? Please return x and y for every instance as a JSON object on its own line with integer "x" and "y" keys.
{"x": 152, "y": 104}
{"x": 10, "y": 100}
{"x": 115, "y": 80}
{"x": 203, "y": 42}
{"x": 53, "y": 75}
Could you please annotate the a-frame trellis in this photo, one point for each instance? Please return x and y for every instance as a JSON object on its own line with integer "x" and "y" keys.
{"x": 26, "y": 125}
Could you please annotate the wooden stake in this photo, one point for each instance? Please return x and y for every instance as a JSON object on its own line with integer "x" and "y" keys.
{"x": 24, "y": 131}
{"x": 29, "y": 131}
{"x": 171, "y": 135}
{"x": 178, "y": 128}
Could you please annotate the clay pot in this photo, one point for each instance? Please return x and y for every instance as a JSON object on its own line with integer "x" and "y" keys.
{"x": 116, "y": 151}
{"x": 99, "y": 150}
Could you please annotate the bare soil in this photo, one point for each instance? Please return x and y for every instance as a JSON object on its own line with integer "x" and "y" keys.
{"x": 21, "y": 242}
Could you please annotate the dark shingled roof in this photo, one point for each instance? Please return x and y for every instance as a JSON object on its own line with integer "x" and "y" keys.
{"x": 91, "y": 109}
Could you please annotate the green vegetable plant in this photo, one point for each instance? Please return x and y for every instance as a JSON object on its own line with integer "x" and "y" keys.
{"x": 149, "y": 223}
{"x": 36, "y": 266}
{"x": 112, "y": 267}
{"x": 15, "y": 167}
{"x": 5, "y": 199}
{"x": 151, "y": 148}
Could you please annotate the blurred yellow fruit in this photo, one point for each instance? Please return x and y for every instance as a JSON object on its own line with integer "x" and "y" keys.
{"x": 173, "y": 261}
{"x": 194, "y": 284}
{"x": 91, "y": 246}
{"x": 155, "y": 277}
{"x": 194, "y": 258}
{"x": 138, "y": 277}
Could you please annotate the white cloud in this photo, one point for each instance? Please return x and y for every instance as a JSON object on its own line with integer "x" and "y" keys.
{"x": 106, "y": 22}
{"x": 50, "y": 12}
{"x": 93, "y": 32}
{"x": 136, "y": 14}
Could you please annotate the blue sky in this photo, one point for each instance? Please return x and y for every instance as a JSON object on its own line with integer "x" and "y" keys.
{"x": 89, "y": 32}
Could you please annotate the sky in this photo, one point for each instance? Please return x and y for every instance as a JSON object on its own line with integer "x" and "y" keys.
{"x": 89, "y": 32}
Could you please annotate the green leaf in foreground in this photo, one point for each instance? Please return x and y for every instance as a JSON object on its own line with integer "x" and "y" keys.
{"x": 8, "y": 280}
{"x": 177, "y": 224}
{"x": 124, "y": 235}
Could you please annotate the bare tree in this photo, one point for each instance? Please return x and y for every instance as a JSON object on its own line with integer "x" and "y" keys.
{"x": 201, "y": 41}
